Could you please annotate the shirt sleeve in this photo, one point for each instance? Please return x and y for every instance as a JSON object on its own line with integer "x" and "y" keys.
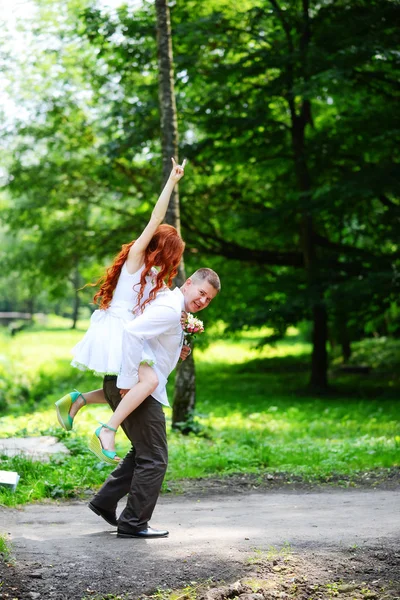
{"x": 155, "y": 321}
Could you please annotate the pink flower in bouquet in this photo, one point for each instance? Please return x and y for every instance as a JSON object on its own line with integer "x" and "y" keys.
{"x": 191, "y": 326}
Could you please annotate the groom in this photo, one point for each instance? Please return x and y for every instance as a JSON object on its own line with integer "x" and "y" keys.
{"x": 140, "y": 474}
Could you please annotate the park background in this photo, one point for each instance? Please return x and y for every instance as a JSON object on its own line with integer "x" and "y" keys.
{"x": 288, "y": 115}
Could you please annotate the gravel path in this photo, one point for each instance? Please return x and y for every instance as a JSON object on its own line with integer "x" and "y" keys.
{"x": 65, "y": 552}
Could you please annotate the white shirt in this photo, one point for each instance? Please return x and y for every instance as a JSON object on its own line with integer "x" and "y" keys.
{"x": 157, "y": 332}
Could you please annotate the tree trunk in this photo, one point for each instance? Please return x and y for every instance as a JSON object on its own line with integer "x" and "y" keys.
{"x": 166, "y": 94}
{"x": 344, "y": 337}
{"x": 300, "y": 120}
{"x": 185, "y": 389}
{"x": 77, "y": 300}
{"x": 346, "y": 350}
{"x": 184, "y": 395}
{"x": 75, "y": 310}
{"x": 319, "y": 361}
{"x": 319, "y": 357}
{"x": 31, "y": 307}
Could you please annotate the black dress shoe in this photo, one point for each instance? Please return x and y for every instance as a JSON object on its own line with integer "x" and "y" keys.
{"x": 144, "y": 533}
{"x": 109, "y": 516}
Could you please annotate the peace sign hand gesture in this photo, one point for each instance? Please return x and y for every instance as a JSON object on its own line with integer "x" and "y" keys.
{"x": 178, "y": 171}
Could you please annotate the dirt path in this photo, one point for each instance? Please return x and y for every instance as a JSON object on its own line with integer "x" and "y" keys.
{"x": 65, "y": 552}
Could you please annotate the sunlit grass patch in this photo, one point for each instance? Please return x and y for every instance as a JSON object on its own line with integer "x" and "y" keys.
{"x": 232, "y": 351}
{"x": 31, "y": 350}
{"x": 253, "y": 412}
{"x": 64, "y": 476}
{"x": 308, "y": 457}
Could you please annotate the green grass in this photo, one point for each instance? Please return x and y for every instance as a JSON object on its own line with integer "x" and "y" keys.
{"x": 5, "y": 549}
{"x": 253, "y": 411}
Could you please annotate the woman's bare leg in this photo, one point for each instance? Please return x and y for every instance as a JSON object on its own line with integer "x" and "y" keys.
{"x": 93, "y": 397}
{"x": 148, "y": 381}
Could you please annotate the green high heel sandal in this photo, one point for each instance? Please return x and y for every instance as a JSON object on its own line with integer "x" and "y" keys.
{"x": 95, "y": 446}
{"x": 63, "y": 406}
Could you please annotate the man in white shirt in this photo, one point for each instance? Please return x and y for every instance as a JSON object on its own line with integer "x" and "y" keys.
{"x": 140, "y": 474}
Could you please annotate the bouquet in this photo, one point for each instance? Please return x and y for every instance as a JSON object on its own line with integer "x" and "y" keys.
{"x": 191, "y": 327}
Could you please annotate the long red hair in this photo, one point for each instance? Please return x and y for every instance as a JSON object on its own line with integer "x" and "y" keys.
{"x": 164, "y": 251}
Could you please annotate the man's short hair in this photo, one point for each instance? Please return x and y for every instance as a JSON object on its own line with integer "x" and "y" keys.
{"x": 209, "y": 275}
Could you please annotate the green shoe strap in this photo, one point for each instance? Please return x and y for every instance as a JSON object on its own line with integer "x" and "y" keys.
{"x": 108, "y": 426}
{"x": 82, "y": 396}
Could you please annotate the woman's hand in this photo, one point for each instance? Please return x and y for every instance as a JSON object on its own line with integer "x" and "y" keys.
{"x": 138, "y": 249}
{"x": 178, "y": 171}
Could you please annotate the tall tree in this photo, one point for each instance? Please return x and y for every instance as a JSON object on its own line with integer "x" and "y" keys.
{"x": 292, "y": 119}
{"x": 286, "y": 101}
{"x": 185, "y": 383}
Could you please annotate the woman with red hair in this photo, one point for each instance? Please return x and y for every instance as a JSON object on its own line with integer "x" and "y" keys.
{"x": 141, "y": 269}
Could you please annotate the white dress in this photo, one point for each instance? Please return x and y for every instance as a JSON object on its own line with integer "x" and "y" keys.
{"x": 100, "y": 350}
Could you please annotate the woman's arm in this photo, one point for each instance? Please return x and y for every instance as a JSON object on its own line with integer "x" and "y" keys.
{"x": 136, "y": 253}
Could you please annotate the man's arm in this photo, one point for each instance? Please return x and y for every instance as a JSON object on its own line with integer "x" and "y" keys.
{"x": 155, "y": 320}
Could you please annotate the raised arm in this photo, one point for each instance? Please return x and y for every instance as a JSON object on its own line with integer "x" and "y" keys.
{"x": 136, "y": 253}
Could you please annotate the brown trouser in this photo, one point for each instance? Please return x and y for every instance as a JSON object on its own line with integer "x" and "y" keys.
{"x": 140, "y": 474}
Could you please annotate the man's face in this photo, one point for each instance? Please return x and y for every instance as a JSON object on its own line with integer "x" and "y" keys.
{"x": 198, "y": 295}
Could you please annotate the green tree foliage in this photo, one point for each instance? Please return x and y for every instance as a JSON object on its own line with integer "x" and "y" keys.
{"x": 296, "y": 104}
{"x": 288, "y": 115}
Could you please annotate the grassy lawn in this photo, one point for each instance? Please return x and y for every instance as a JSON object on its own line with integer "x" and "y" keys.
{"x": 253, "y": 412}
